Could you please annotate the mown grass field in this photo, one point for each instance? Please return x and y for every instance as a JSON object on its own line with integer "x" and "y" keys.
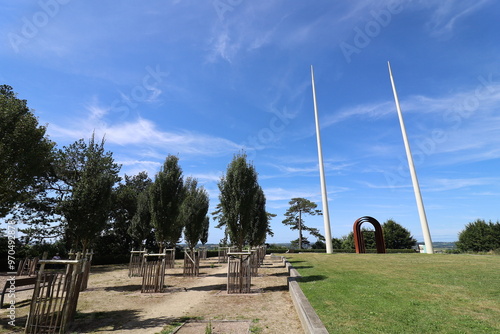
{"x": 402, "y": 293}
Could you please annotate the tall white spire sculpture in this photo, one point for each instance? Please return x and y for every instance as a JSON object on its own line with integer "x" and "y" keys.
{"x": 326, "y": 214}
{"x": 413, "y": 173}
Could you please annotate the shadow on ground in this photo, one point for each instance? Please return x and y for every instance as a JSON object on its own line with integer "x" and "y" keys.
{"x": 213, "y": 287}
{"x": 311, "y": 278}
{"x": 283, "y": 287}
{"x": 303, "y": 267}
{"x": 115, "y": 321}
{"x": 122, "y": 288}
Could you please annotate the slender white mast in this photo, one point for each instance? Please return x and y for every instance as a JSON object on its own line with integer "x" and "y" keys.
{"x": 326, "y": 214}
{"x": 413, "y": 173}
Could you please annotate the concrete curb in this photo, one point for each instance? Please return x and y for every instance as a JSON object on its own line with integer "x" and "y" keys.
{"x": 311, "y": 323}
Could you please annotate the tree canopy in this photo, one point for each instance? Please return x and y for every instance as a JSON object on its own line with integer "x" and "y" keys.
{"x": 193, "y": 213}
{"x": 166, "y": 195}
{"x": 140, "y": 228}
{"x": 25, "y": 151}
{"x": 242, "y": 204}
{"x": 298, "y": 208}
{"x": 479, "y": 236}
{"x": 89, "y": 174}
{"x": 125, "y": 203}
{"x": 396, "y": 236}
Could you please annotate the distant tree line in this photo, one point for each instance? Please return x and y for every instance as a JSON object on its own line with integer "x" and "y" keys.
{"x": 395, "y": 235}
{"x": 75, "y": 195}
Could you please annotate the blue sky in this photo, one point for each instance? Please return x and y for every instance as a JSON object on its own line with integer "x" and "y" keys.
{"x": 206, "y": 79}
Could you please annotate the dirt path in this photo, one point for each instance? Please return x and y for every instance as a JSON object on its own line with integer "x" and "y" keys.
{"x": 114, "y": 304}
{"x": 183, "y": 300}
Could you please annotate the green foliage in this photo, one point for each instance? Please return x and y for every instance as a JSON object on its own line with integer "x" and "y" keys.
{"x": 298, "y": 208}
{"x": 260, "y": 223}
{"x": 88, "y": 174}
{"x": 242, "y": 204}
{"x": 25, "y": 151}
{"x": 396, "y": 236}
{"x": 193, "y": 212}
{"x": 117, "y": 237}
{"x": 166, "y": 195}
{"x": 319, "y": 245}
{"x": 301, "y": 244}
{"x": 348, "y": 241}
{"x": 479, "y": 236}
{"x": 140, "y": 228}
{"x": 204, "y": 231}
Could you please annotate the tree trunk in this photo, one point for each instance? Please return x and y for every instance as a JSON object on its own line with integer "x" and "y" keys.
{"x": 300, "y": 229}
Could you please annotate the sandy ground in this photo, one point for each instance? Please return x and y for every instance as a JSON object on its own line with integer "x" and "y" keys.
{"x": 113, "y": 303}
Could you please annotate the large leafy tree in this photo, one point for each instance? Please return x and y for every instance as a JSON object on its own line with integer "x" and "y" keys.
{"x": 241, "y": 202}
{"x": 166, "y": 196}
{"x": 396, "y": 236}
{"x": 298, "y": 208}
{"x": 25, "y": 151}
{"x": 116, "y": 238}
{"x": 193, "y": 212}
{"x": 88, "y": 174}
{"x": 479, "y": 236}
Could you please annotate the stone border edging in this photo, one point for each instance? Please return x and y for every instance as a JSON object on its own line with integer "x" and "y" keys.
{"x": 309, "y": 319}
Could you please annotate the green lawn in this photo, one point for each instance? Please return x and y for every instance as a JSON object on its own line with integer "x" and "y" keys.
{"x": 402, "y": 293}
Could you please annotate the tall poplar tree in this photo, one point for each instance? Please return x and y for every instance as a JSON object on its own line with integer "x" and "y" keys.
{"x": 194, "y": 212}
{"x": 140, "y": 228}
{"x": 166, "y": 196}
{"x": 260, "y": 223}
{"x": 242, "y": 203}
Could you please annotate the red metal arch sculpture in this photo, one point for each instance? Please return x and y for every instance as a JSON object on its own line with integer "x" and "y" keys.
{"x": 358, "y": 235}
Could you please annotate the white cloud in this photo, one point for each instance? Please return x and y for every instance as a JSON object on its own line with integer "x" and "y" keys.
{"x": 143, "y": 133}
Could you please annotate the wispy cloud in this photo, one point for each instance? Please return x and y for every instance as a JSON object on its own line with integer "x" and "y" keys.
{"x": 462, "y": 125}
{"x": 281, "y": 194}
{"x": 445, "y": 184}
{"x": 143, "y": 133}
{"x": 371, "y": 110}
{"x": 447, "y": 13}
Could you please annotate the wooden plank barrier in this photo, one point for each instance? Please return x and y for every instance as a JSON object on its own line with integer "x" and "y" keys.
{"x": 222, "y": 254}
{"x": 203, "y": 253}
{"x": 239, "y": 274}
{"x": 136, "y": 264}
{"x": 55, "y": 297}
{"x": 191, "y": 263}
{"x": 254, "y": 262}
{"x": 86, "y": 266}
{"x": 170, "y": 258}
{"x": 27, "y": 267}
{"x": 153, "y": 279}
